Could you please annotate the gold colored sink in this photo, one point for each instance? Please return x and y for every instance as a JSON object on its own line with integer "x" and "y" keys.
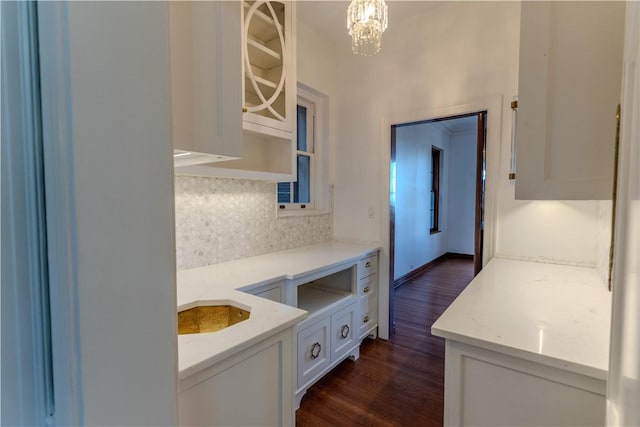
{"x": 209, "y": 318}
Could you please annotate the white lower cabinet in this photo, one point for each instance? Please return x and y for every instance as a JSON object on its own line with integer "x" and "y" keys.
{"x": 253, "y": 387}
{"x": 324, "y": 342}
{"x": 488, "y": 388}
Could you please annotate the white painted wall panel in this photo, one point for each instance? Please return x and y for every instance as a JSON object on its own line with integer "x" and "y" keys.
{"x": 118, "y": 59}
{"x": 462, "y": 193}
{"x": 415, "y": 245}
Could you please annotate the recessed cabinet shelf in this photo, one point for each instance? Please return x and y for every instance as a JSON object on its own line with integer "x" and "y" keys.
{"x": 314, "y": 298}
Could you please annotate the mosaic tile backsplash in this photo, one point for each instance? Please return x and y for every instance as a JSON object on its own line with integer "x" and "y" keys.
{"x": 220, "y": 220}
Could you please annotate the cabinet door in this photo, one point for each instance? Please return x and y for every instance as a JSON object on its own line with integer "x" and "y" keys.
{"x": 251, "y": 388}
{"x": 313, "y": 351}
{"x": 568, "y": 92}
{"x": 342, "y": 332}
{"x": 269, "y": 77}
{"x": 206, "y": 81}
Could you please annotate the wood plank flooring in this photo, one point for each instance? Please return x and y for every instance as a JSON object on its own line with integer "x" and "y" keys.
{"x": 399, "y": 382}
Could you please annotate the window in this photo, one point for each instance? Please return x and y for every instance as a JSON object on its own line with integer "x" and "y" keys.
{"x": 309, "y": 193}
{"x": 436, "y": 161}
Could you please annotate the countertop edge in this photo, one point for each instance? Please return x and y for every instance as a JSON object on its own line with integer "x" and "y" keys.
{"x": 577, "y": 368}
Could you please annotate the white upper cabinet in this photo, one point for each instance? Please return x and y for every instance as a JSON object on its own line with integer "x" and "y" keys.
{"x": 206, "y": 81}
{"x": 239, "y": 95}
{"x": 269, "y": 77}
{"x": 568, "y": 93}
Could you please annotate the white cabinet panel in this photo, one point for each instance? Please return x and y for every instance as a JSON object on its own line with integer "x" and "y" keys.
{"x": 253, "y": 387}
{"x": 313, "y": 350}
{"x": 523, "y": 393}
{"x": 568, "y": 92}
{"x": 206, "y": 81}
{"x": 342, "y": 332}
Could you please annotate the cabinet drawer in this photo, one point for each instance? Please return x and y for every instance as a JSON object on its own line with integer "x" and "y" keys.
{"x": 368, "y": 266}
{"x": 343, "y": 334}
{"x": 313, "y": 351}
{"x": 368, "y": 285}
{"x": 367, "y": 315}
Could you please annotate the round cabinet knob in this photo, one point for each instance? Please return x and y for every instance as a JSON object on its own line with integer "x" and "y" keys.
{"x": 365, "y": 319}
{"x": 316, "y": 348}
{"x": 366, "y": 290}
{"x": 367, "y": 264}
{"x": 344, "y": 331}
{"x": 245, "y": 109}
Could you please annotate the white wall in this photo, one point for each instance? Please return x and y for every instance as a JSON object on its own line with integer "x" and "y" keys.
{"x": 462, "y": 190}
{"x": 456, "y": 55}
{"x": 424, "y": 65}
{"x": 414, "y": 244}
{"x": 123, "y": 179}
{"x": 316, "y": 64}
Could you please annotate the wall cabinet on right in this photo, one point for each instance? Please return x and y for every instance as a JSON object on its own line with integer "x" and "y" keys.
{"x": 568, "y": 93}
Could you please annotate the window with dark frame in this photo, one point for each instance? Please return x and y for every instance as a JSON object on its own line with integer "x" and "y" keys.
{"x": 436, "y": 162}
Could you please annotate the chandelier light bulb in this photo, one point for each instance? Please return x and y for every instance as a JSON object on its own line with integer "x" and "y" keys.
{"x": 366, "y": 21}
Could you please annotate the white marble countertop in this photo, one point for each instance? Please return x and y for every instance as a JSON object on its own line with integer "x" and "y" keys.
{"x": 220, "y": 283}
{"x": 555, "y": 315}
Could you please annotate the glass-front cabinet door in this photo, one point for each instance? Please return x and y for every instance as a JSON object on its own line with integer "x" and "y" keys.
{"x": 269, "y": 83}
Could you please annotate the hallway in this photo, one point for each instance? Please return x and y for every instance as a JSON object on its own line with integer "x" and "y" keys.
{"x": 399, "y": 382}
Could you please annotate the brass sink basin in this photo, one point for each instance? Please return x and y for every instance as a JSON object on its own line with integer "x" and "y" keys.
{"x": 209, "y": 318}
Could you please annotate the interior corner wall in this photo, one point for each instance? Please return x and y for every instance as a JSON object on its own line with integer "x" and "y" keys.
{"x": 415, "y": 246}
{"x": 460, "y": 52}
{"x": 462, "y": 190}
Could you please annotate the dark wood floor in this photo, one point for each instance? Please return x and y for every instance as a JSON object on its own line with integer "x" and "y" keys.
{"x": 399, "y": 382}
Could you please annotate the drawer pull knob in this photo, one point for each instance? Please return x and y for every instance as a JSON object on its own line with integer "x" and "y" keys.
{"x": 367, "y": 264}
{"x": 365, "y": 319}
{"x": 365, "y": 290}
{"x": 344, "y": 331}
{"x": 245, "y": 109}
{"x": 315, "y": 350}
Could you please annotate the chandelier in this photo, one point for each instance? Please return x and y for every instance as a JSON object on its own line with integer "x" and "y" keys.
{"x": 366, "y": 21}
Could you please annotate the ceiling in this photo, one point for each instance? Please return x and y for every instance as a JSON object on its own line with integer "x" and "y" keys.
{"x": 329, "y": 17}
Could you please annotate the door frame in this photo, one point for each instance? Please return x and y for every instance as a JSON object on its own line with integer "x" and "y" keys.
{"x": 493, "y": 105}
{"x": 478, "y": 191}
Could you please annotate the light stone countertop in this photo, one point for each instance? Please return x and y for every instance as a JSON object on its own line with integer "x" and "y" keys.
{"x": 556, "y": 315}
{"x": 220, "y": 283}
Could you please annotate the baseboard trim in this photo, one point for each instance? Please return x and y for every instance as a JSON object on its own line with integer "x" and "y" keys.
{"x": 454, "y": 255}
{"x": 418, "y": 271}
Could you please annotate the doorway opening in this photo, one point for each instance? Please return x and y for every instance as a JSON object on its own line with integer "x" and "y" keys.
{"x": 437, "y": 195}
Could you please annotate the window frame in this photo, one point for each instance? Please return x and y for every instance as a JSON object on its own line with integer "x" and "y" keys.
{"x": 436, "y": 174}
{"x": 317, "y": 131}
{"x": 310, "y": 152}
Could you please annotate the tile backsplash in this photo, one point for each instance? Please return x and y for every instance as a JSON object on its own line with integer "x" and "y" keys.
{"x": 220, "y": 220}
